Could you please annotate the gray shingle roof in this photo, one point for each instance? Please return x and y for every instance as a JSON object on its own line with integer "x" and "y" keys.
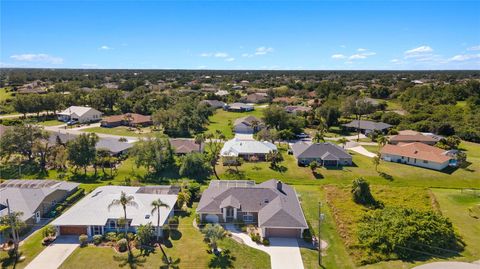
{"x": 276, "y": 208}
{"x": 324, "y": 151}
{"x": 111, "y": 144}
{"x": 248, "y": 120}
{"x": 368, "y": 125}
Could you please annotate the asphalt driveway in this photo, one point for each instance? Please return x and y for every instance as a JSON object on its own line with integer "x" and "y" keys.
{"x": 55, "y": 254}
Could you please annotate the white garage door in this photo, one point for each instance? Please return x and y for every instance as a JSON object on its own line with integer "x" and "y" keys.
{"x": 211, "y": 218}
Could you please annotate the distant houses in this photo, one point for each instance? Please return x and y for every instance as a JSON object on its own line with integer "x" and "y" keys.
{"x": 247, "y": 149}
{"x": 92, "y": 216}
{"x": 80, "y": 114}
{"x": 183, "y": 146}
{"x": 248, "y": 125}
{"x": 34, "y": 198}
{"x": 221, "y": 93}
{"x": 297, "y": 109}
{"x": 367, "y": 127}
{"x": 410, "y": 138}
{"x": 258, "y": 97}
{"x": 272, "y": 205}
{"x": 128, "y": 119}
{"x": 110, "y": 144}
{"x": 418, "y": 154}
{"x": 213, "y": 103}
{"x": 325, "y": 154}
{"x": 239, "y": 107}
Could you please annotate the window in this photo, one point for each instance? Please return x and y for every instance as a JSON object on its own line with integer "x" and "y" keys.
{"x": 248, "y": 217}
{"x": 112, "y": 224}
{"x": 425, "y": 161}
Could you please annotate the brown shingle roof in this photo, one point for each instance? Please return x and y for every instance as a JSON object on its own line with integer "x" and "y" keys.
{"x": 134, "y": 118}
{"x": 418, "y": 151}
{"x": 412, "y": 138}
{"x": 184, "y": 145}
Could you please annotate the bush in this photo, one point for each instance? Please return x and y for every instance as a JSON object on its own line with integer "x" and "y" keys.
{"x": 83, "y": 239}
{"x": 307, "y": 235}
{"x": 122, "y": 245}
{"x": 97, "y": 239}
{"x": 266, "y": 242}
{"x": 173, "y": 222}
{"x": 166, "y": 231}
{"x": 49, "y": 231}
{"x": 384, "y": 232}
{"x": 111, "y": 236}
{"x": 256, "y": 238}
{"x": 244, "y": 229}
{"x": 361, "y": 192}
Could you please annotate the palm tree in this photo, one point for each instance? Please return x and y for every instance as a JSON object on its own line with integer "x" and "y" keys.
{"x": 382, "y": 141}
{"x": 199, "y": 139}
{"x": 343, "y": 141}
{"x": 376, "y": 162}
{"x": 318, "y": 137}
{"x": 214, "y": 233}
{"x": 183, "y": 197}
{"x": 124, "y": 201}
{"x": 156, "y": 205}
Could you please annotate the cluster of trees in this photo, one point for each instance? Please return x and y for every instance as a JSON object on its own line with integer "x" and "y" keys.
{"x": 285, "y": 124}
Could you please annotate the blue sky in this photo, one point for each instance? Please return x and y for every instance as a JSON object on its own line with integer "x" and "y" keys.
{"x": 241, "y": 35}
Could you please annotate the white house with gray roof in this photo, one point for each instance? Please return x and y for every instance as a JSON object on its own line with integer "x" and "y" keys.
{"x": 325, "y": 154}
{"x": 246, "y": 149}
{"x": 272, "y": 205}
{"x": 367, "y": 126}
{"x": 91, "y": 215}
{"x": 248, "y": 125}
{"x": 81, "y": 114}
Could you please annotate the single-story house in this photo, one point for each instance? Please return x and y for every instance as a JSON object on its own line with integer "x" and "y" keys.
{"x": 248, "y": 125}
{"x": 128, "y": 119}
{"x": 238, "y": 107}
{"x": 367, "y": 126}
{"x": 418, "y": 154}
{"x": 35, "y": 198}
{"x": 326, "y": 154}
{"x": 91, "y": 215}
{"x": 297, "y": 109}
{"x": 221, "y": 93}
{"x": 246, "y": 149}
{"x": 112, "y": 145}
{"x": 213, "y": 103}
{"x": 81, "y": 114}
{"x": 425, "y": 139}
{"x": 185, "y": 145}
{"x": 258, "y": 97}
{"x": 272, "y": 205}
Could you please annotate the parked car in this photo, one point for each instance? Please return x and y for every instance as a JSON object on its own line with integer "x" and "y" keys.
{"x": 302, "y": 135}
{"x": 72, "y": 122}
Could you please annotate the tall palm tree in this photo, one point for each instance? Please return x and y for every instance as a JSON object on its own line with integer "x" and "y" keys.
{"x": 343, "y": 141}
{"x": 382, "y": 141}
{"x": 156, "y": 205}
{"x": 124, "y": 201}
{"x": 318, "y": 137}
{"x": 199, "y": 139}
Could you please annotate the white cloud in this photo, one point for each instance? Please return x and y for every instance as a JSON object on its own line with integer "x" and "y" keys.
{"x": 214, "y": 54}
{"x": 464, "y": 57}
{"x": 205, "y": 54}
{"x": 338, "y": 56}
{"x": 105, "y": 47}
{"x": 201, "y": 67}
{"x": 343, "y": 46}
{"x": 231, "y": 59}
{"x": 474, "y": 48}
{"x": 362, "y": 55}
{"x": 41, "y": 57}
{"x": 394, "y": 60}
{"x": 418, "y": 52}
{"x": 263, "y": 50}
{"x": 248, "y": 55}
{"x": 361, "y": 49}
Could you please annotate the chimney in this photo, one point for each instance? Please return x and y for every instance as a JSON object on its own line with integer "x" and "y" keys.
{"x": 279, "y": 185}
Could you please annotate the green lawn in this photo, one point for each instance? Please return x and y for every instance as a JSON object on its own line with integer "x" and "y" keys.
{"x": 221, "y": 118}
{"x": 186, "y": 244}
{"x": 120, "y": 131}
{"x": 461, "y": 103}
{"x": 30, "y": 249}
{"x": 50, "y": 123}
{"x": 4, "y": 94}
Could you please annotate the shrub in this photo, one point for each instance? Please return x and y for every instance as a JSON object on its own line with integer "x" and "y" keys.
{"x": 83, "y": 239}
{"x": 122, "y": 245}
{"x": 383, "y": 231}
{"x": 256, "y": 238}
{"x": 244, "y": 229}
{"x": 111, "y": 236}
{"x": 166, "y": 231}
{"x": 97, "y": 239}
{"x": 49, "y": 231}
{"x": 361, "y": 192}
{"x": 307, "y": 235}
{"x": 173, "y": 222}
{"x": 266, "y": 242}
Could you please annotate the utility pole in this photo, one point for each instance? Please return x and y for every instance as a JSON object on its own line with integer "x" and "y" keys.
{"x": 14, "y": 233}
{"x": 319, "y": 233}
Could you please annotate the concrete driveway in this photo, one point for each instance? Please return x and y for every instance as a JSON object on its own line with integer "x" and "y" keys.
{"x": 284, "y": 252}
{"x": 55, "y": 254}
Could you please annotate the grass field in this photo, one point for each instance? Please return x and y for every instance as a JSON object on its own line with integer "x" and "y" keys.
{"x": 50, "y": 123}
{"x": 221, "y": 118}
{"x": 186, "y": 244}
{"x": 4, "y": 94}
{"x": 120, "y": 131}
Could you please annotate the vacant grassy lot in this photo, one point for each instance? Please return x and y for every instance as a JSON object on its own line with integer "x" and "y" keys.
{"x": 220, "y": 120}
{"x": 120, "y": 131}
{"x": 186, "y": 244}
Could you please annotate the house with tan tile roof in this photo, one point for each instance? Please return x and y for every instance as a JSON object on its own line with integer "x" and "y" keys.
{"x": 417, "y": 154}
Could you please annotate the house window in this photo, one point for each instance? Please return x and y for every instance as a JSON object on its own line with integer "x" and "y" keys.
{"x": 112, "y": 224}
{"x": 425, "y": 161}
{"x": 248, "y": 217}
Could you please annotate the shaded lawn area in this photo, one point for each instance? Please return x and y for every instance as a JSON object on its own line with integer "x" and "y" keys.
{"x": 347, "y": 214}
{"x": 120, "y": 131}
{"x": 30, "y": 248}
{"x": 221, "y": 118}
{"x": 393, "y": 173}
{"x": 185, "y": 244}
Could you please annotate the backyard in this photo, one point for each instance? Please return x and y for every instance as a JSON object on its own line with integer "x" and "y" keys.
{"x": 120, "y": 131}
{"x": 220, "y": 120}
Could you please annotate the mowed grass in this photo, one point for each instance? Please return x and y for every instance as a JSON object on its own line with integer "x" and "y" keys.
{"x": 185, "y": 244}
{"x": 30, "y": 248}
{"x": 50, "y": 123}
{"x": 120, "y": 131}
{"x": 393, "y": 174}
{"x": 454, "y": 204}
{"x": 5, "y": 94}
{"x": 220, "y": 120}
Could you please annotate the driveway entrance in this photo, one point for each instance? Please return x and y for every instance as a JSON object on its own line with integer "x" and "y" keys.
{"x": 55, "y": 254}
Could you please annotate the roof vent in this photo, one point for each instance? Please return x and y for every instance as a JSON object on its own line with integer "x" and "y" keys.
{"x": 266, "y": 201}
{"x": 279, "y": 185}
{"x": 147, "y": 216}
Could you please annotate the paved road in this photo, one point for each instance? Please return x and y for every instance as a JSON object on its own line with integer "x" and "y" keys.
{"x": 284, "y": 252}
{"x": 55, "y": 254}
{"x": 448, "y": 265}
{"x": 79, "y": 130}
{"x": 21, "y": 115}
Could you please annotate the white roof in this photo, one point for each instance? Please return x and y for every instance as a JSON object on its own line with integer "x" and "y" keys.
{"x": 237, "y": 146}
{"x": 93, "y": 209}
{"x": 78, "y": 110}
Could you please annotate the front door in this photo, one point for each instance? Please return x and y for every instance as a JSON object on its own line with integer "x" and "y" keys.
{"x": 229, "y": 213}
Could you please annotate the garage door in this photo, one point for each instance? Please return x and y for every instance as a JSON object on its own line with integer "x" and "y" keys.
{"x": 211, "y": 218}
{"x": 282, "y": 232}
{"x": 73, "y": 230}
